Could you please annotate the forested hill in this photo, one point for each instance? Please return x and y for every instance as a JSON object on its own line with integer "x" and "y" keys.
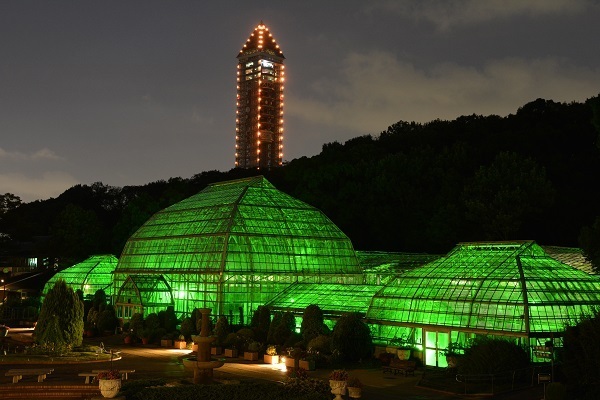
{"x": 414, "y": 187}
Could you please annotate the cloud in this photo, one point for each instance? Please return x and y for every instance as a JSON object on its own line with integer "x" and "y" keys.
{"x": 447, "y": 14}
{"x": 42, "y": 154}
{"x": 376, "y": 89}
{"x": 28, "y": 188}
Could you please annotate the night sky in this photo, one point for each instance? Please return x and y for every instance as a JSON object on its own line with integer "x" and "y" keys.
{"x": 130, "y": 92}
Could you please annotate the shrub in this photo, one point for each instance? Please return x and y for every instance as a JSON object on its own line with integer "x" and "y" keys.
{"x": 221, "y": 331}
{"x": 312, "y": 323}
{"x": 61, "y": 302}
{"x": 321, "y": 343}
{"x": 152, "y": 321}
{"x": 492, "y": 355}
{"x": 351, "y": 337}
{"x": 187, "y": 328}
{"x": 581, "y": 351}
{"x": 261, "y": 320}
{"x": 136, "y": 323}
{"x": 307, "y": 386}
{"x": 107, "y": 320}
{"x": 273, "y": 326}
{"x": 284, "y": 329}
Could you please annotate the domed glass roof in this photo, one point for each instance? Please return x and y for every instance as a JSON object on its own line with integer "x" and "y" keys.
{"x": 90, "y": 275}
{"x": 506, "y": 287}
{"x": 242, "y": 226}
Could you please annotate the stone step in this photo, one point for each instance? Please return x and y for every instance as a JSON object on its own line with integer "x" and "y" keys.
{"x": 39, "y": 392}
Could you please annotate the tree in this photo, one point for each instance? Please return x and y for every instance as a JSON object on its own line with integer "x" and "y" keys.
{"x": 505, "y": 194}
{"x": 589, "y": 240}
{"x": 61, "y": 305}
{"x": 8, "y": 202}
{"x": 77, "y": 232}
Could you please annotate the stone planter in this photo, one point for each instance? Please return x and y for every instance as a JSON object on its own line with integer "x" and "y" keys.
{"x": 308, "y": 365}
{"x": 354, "y": 392}
{"x": 216, "y": 350}
{"x": 145, "y": 340}
{"x": 338, "y": 388}
{"x": 271, "y": 359}
{"x": 195, "y": 347}
{"x": 290, "y": 362}
{"x": 231, "y": 353}
{"x": 251, "y": 355}
{"x": 166, "y": 343}
{"x": 180, "y": 344}
{"x": 109, "y": 388}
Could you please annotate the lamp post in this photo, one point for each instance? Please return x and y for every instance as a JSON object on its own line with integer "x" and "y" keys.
{"x": 3, "y": 290}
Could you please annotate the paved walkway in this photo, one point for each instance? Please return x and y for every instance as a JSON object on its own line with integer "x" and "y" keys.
{"x": 156, "y": 362}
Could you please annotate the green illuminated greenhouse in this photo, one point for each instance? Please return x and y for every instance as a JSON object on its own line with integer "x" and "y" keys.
{"x": 90, "y": 275}
{"x": 232, "y": 247}
{"x": 502, "y": 288}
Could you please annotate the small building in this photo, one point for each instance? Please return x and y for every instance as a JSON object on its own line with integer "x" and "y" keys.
{"x": 509, "y": 289}
{"x": 90, "y": 275}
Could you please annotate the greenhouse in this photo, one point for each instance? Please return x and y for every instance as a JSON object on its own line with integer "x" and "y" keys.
{"x": 232, "y": 247}
{"x": 90, "y": 275}
{"x": 510, "y": 289}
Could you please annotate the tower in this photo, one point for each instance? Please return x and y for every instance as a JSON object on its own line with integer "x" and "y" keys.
{"x": 259, "y": 113}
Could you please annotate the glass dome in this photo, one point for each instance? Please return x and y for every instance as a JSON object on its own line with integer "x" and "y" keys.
{"x": 512, "y": 288}
{"x": 234, "y": 246}
{"x": 90, "y": 275}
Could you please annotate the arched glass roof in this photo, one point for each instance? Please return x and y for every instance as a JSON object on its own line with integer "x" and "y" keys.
{"x": 93, "y": 274}
{"x": 505, "y": 287}
{"x": 239, "y": 227}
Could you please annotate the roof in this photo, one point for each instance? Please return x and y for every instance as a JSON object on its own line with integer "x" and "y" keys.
{"x": 571, "y": 256}
{"x": 392, "y": 262}
{"x": 244, "y": 226}
{"x": 508, "y": 287}
{"x": 261, "y": 41}
{"x": 333, "y": 299}
{"x": 90, "y": 275}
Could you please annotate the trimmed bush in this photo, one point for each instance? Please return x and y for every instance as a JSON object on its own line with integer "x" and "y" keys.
{"x": 312, "y": 323}
{"x": 62, "y": 306}
{"x": 351, "y": 338}
{"x": 492, "y": 355}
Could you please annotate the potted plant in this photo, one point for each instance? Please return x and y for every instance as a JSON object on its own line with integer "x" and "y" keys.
{"x": 144, "y": 334}
{"x": 309, "y": 360}
{"x": 252, "y": 353}
{"x": 401, "y": 347}
{"x": 166, "y": 341}
{"x": 271, "y": 356}
{"x": 452, "y": 353}
{"x": 354, "y": 386}
{"x": 231, "y": 351}
{"x": 337, "y": 381}
{"x": 109, "y": 382}
{"x": 180, "y": 343}
{"x": 128, "y": 338}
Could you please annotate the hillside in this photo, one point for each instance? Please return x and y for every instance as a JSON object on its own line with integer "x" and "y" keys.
{"x": 413, "y": 187}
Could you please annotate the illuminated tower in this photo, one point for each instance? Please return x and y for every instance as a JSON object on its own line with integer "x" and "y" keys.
{"x": 259, "y": 114}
